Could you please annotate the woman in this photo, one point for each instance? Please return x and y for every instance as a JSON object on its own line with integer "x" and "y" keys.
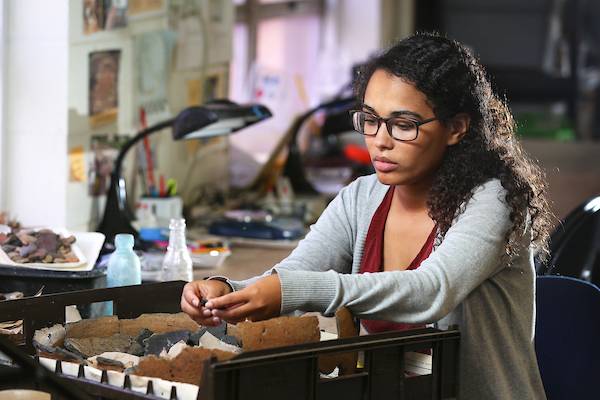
{"x": 442, "y": 233}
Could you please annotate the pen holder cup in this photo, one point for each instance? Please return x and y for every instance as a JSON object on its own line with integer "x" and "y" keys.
{"x": 161, "y": 208}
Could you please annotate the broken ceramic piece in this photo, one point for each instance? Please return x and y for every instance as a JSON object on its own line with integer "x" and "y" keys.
{"x": 59, "y": 353}
{"x": 232, "y": 340}
{"x": 195, "y": 336}
{"x": 114, "y": 359}
{"x": 143, "y": 335}
{"x": 210, "y": 342}
{"x": 156, "y": 343}
{"x": 52, "y": 337}
{"x": 175, "y": 350}
{"x": 218, "y": 331}
{"x": 88, "y": 347}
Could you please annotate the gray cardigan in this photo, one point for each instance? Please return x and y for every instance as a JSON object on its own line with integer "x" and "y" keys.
{"x": 465, "y": 281}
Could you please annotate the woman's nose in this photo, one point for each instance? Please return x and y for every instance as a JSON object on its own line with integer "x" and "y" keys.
{"x": 382, "y": 139}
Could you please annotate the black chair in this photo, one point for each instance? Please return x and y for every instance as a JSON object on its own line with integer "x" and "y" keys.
{"x": 566, "y": 337}
{"x": 575, "y": 245}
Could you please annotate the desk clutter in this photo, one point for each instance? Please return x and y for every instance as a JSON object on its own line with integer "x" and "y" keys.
{"x": 274, "y": 220}
{"x": 257, "y": 225}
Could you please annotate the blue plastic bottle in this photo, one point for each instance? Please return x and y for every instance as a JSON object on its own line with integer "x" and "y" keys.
{"x": 123, "y": 265}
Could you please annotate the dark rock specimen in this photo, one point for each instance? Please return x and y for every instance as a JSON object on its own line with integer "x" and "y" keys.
{"x": 195, "y": 337}
{"x": 143, "y": 335}
{"x": 156, "y": 343}
{"x": 218, "y": 331}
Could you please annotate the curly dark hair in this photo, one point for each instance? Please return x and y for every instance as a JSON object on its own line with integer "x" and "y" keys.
{"x": 454, "y": 81}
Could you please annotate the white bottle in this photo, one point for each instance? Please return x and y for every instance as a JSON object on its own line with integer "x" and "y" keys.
{"x": 177, "y": 264}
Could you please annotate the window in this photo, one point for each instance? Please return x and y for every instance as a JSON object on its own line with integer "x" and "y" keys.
{"x": 2, "y": 133}
{"x": 275, "y": 51}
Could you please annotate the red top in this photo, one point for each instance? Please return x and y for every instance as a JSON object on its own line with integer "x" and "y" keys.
{"x": 372, "y": 260}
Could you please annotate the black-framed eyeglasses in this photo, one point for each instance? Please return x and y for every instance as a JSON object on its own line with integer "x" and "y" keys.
{"x": 399, "y": 128}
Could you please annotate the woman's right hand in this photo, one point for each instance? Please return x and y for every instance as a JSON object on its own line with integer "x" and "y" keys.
{"x": 196, "y": 291}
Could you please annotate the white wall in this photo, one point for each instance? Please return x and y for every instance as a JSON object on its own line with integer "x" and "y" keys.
{"x": 359, "y": 28}
{"x": 36, "y": 111}
{"x": 2, "y": 97}
{"x": 351, "y": 33}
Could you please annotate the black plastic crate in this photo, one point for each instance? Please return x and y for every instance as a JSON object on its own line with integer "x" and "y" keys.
{"x": 30, "y": 280}
{"x": 288, "y": 372}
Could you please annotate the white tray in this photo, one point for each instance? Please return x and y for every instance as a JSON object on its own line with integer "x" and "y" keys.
{"x": 87, "y": 246}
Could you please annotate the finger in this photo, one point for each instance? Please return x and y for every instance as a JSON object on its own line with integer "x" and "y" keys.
{"x": 236, "y": 314}
{"x": 190, "y": 309}
{"x": 191, "y": 296}
{"x": 216, "y": 311}
{"x": 207, "y": 321}
{"x": 228, "y": 300}
{"x": 201, "y": 315}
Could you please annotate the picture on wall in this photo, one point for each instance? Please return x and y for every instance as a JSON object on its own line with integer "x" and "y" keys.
{"x": 103, "y": 86}
{"x": 115, "y": 12}
{"x": 93, "y": 16}
{"x": 99, "y": 15}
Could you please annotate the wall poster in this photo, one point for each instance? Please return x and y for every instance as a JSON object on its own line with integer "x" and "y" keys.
{"x": 103, "y": 87}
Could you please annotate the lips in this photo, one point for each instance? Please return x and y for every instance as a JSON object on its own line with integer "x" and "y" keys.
{"x": 383, "y": 164}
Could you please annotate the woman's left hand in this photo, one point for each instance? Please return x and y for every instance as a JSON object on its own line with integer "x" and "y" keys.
{"x": 259, "y": 301}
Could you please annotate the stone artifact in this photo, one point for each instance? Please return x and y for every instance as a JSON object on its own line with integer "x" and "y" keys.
{"x": 187, "y": 367}
{"x": 88, "y": 347}
{"x": 277, "y": 332}
{"x": 42, "y": 246}
{"x": 159, "y": 342}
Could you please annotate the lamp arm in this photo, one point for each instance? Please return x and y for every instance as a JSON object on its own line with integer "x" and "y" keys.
{"x": 117, "y": 216}
{"x": 142, "y": 134}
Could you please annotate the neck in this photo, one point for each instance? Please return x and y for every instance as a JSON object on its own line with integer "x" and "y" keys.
{"x": 413, "y": 197}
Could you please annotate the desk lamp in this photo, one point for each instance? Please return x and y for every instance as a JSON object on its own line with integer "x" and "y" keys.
{"x": 217, "y": 118}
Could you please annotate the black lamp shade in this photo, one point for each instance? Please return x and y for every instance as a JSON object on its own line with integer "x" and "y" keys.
{"x": 192, "y": 119}
{"x": 217, "y": 119}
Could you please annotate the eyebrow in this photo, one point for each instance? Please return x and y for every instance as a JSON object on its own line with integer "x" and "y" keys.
{"x": 399, "y": 113}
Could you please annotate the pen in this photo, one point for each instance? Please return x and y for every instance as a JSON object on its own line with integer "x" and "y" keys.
{"x": 162, "y": 192}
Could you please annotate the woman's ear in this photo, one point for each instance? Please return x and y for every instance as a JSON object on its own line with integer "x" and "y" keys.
{"x": 458, "y": 128}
